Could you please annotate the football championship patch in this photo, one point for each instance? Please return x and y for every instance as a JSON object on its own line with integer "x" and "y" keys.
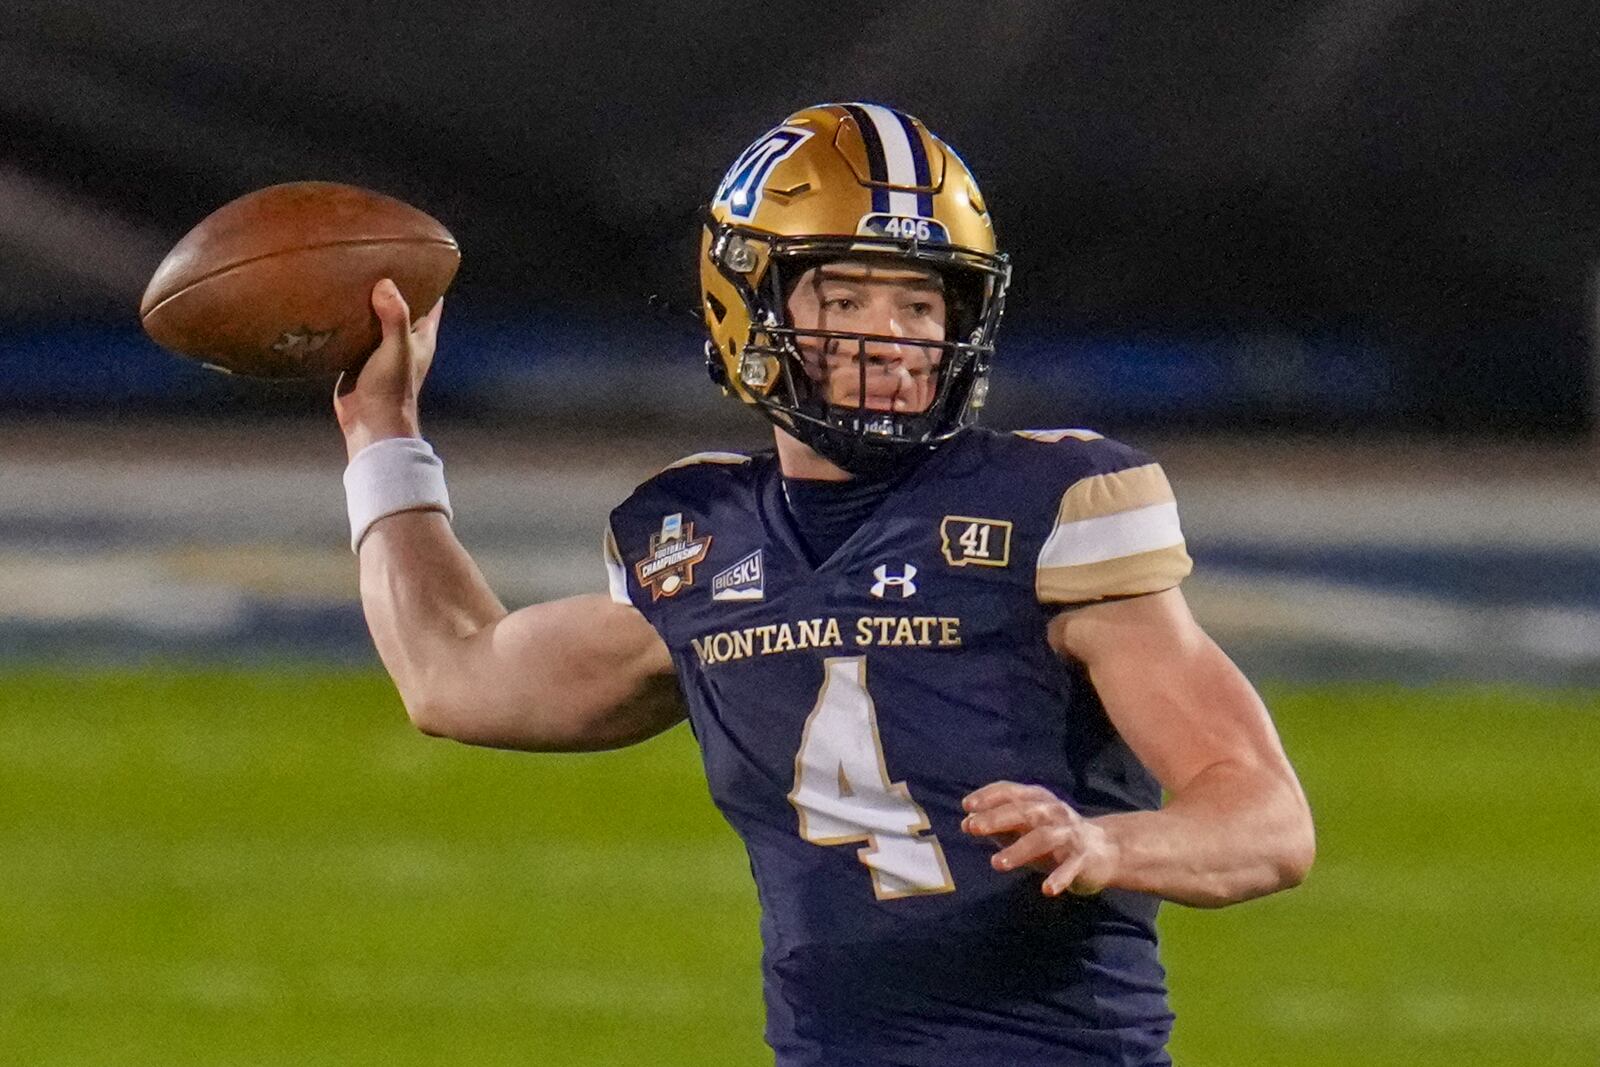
{"x": 669, "y": 568}
{"x": 742, "y": 581}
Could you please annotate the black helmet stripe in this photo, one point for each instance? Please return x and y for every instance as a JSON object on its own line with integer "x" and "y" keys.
{"x": 904, "y": 160}
{"x": 877, "y": 164}
{"x": 919, "y": 160}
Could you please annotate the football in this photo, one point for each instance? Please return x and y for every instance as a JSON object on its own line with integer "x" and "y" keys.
{"x": 278, "y": 283}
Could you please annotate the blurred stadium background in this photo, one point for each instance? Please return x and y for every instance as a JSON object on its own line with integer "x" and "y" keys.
{"x": 1333, "y": 262}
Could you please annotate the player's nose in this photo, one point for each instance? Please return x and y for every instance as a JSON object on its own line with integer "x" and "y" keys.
{"x": 886, "y": 323}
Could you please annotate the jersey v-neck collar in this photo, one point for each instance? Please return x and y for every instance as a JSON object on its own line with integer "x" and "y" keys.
{"x": 780, "y": 524}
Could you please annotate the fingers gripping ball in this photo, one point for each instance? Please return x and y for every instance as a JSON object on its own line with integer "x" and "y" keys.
{"x": 278, "y": 283}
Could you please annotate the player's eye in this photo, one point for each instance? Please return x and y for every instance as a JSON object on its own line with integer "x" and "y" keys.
{"x": 840, "y": 303}
{"x": 920, "y": 308}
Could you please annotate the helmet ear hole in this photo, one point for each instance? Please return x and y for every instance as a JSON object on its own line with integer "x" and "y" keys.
{"x": 718, "y": 309}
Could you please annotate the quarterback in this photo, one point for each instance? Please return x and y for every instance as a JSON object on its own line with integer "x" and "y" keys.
{"x": 940, "y": 676}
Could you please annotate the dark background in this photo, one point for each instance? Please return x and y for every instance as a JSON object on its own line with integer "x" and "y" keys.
{"x": 1374, "y": 214}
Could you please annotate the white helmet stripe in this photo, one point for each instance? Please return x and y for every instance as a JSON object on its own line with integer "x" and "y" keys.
{"x": 897, "y": 155}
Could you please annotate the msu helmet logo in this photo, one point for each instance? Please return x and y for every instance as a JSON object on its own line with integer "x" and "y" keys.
{"x": 741, "y": 188}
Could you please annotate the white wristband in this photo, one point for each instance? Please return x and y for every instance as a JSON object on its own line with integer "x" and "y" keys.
{"x": 389, "y": 476}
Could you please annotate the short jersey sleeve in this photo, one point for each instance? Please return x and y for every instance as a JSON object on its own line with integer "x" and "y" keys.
{"x": 680, "y": 493}
{"x": 1116, "y": 534}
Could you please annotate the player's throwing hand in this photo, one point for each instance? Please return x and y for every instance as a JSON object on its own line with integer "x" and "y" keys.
{"x": 1042, "y": 831}
{"x": 381, "y": 399}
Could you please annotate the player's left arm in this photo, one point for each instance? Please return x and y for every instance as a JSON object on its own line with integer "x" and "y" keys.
{"x": 1236, "y": 824}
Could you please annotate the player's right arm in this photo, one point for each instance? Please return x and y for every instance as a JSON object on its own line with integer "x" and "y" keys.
{"x": 568, "y": 675}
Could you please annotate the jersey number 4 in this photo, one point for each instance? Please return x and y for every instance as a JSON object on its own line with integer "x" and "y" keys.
{"x": 843, "y": 793}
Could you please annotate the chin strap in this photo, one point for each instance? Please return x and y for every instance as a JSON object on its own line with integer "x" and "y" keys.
{"x": 862, "y": 456}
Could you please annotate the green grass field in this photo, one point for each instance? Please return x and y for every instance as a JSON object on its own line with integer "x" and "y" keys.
{"x": 231, "y": 868}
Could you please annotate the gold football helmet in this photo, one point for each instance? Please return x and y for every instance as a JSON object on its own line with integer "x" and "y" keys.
{"x": 848, "y": 182}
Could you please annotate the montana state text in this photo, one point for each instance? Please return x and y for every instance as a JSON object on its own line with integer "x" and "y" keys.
{"x": 884, "y": 631}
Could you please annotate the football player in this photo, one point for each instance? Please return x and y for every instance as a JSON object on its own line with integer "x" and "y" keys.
{"x": 940, "y": 676}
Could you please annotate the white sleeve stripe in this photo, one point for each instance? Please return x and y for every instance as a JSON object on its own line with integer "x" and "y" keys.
{"x": 1125, "y": 533}
{"x": 617, "y": 579}
{"x": 616, "y": 573}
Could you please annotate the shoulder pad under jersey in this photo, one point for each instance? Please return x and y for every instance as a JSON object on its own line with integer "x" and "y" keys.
{"x": 682, "y": 486}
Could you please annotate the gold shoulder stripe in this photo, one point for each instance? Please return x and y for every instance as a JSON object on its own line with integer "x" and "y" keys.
{"x": 1051, "y": 436}
{"x": 729, "y": 458}
{"x": 1146, "y": 572}
{"x": 1107, "y": 494}
{"x": 1116, "y": 534}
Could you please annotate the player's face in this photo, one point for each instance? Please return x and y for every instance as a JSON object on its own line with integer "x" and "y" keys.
{"x": 863, "y": 297}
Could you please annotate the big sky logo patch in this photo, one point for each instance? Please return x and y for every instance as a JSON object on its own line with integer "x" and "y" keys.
{"x": 745, "y": 580}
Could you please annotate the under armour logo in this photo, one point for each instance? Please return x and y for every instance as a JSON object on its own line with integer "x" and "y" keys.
{"x": 902, "y": 582}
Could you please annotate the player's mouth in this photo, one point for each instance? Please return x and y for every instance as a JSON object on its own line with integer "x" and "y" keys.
{"x": 900, "y": 401}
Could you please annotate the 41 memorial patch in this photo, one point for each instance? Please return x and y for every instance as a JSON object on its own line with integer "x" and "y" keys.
{"x": 966, "y": 540}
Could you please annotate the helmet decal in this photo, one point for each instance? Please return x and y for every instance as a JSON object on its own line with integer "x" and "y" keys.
{"x": 740, "y": 190}
{"x": 895, "y": 156}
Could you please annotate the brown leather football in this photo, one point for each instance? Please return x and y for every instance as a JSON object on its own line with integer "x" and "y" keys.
{"x": 278, "y": 283}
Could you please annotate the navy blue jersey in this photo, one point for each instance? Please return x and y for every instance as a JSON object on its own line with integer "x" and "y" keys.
{"x": 843, "y": 710}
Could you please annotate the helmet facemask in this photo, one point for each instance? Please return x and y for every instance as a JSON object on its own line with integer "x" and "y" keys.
{"x": 786, "y": 369}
